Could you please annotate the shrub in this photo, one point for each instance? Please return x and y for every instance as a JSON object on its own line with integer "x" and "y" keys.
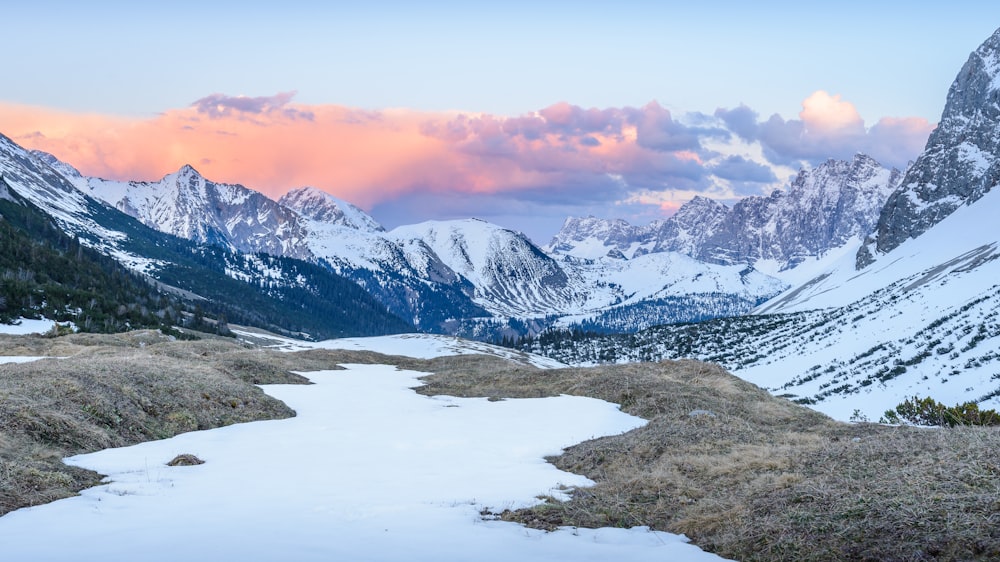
{"x": 927, "y": 411}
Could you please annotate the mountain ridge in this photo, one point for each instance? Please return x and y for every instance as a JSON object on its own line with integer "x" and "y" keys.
{"x": 824, "y": 208}
{"x": 959, "y": 163}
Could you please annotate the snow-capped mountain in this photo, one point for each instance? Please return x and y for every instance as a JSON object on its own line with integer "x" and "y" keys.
{"x": 36, "y": 181}
{"x": 317, "y": 205}
{"x": 405, "y": 274}
{"x": 592, "y": 238}
{"x": 277, "y": 293}
{"x": 961, "y": 161}
{"x": 825, "y": 208}
{"x": 440, "y": 276}
{"x": 511, "y": 276}
{"x": 921, "y": 316}
{"x": 188, "y": 205}
{"x": 306, "y": 224}
{"x": 922, "y": 320}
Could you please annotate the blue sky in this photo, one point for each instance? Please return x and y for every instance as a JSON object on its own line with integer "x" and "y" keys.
{"x": 888, "y": 58}
{"x": 138, "y": 61}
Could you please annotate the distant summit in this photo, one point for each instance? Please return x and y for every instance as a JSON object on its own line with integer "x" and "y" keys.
{"x": 824, "y": 208}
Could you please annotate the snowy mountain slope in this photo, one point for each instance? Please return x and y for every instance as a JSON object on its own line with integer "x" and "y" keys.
{"x": 664, "y": 287}
{"x": 922, "y": 320}
{"x": 307, "y": 224}
{"x": 322, "y": 207}
{"x": 825, "y": 208}
{"x": 36, "y": 181}
{"x": 279, "y": 293}
{"x": 592, "y": 238}
{"x": 914, "y": 312}
{"x": 511, "y": 276}
{"x": 188, "y": 205}
{"x": 960, "y": 163}
{"x": 406, "y": 275}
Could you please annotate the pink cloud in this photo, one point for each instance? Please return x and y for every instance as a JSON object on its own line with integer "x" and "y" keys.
{"x": 556, "y": 156}
{"x": 822, "y": 112}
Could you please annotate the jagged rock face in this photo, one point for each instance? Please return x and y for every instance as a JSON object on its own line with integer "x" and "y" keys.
{"x": 961, "y": 161}
{"x": 690, "y": 229}
{"x": 824, "y": 208}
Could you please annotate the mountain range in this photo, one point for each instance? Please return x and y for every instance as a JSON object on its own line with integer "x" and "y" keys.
{"x": 473, "y": 278}
{"x": 912, "y": 309}
{"x": 850, "y": 255}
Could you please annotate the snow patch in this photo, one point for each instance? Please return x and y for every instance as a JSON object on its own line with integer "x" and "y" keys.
{"x": 367, "y": 470}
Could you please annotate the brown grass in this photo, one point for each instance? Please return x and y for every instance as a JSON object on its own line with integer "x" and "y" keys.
{"x": 762, "y": 479}
{"x": 121, "y": 389}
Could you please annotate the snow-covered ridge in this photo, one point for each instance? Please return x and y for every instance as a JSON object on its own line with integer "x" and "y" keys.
{"x": 823, "y": 209}
{"x": 318, "y": 205}
{"x": 442, "y": 276}
{"x": 188, "y": 205}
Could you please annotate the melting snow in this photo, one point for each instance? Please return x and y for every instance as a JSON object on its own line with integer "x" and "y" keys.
{"x": 368, "y": 470}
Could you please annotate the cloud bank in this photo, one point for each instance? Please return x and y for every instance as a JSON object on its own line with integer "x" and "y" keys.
{"x": 562, "y": 159}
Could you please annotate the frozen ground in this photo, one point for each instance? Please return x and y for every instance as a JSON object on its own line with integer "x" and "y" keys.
{"x": 368, "y": 470}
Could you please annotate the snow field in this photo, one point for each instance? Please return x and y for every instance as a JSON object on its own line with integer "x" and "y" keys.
{"x": 368, "y": 470}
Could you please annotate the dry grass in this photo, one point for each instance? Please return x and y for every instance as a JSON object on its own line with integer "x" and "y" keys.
{"x": 754, "y": 478}
{"x": 115, "y": 390}
{"x": 759, "y": 478}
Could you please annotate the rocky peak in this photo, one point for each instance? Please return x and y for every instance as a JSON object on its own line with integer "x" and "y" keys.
{"x": 604, "y": 235}
{"x": 318, "y": 205}
{"x": 823, "y": 208}
{"x": 960, "y": 162}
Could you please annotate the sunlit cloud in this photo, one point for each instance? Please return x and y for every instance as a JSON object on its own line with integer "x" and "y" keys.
{"x": 646, "y": 159}
{"x": 828, "y": 127}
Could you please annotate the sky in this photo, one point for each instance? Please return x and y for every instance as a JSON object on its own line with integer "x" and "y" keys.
{"x": 521, "y": 114}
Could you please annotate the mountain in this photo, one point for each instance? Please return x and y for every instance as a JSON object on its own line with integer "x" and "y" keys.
{"x": 961, "y": 162}
{"x": 832, "y": 205}
{"x": 664, "y": 288}
{"x": 919, "y": 317}
{"x": 405, "y": 275}
{"x": 47, "y": 273}
{"x": 511, "y": 276}
{"x": 305, "y": 224}
{"x": 466, "y": 277}
{"x": 320, "y": 206}
{"x": 277, "y": 293}
{"x": 920, "y": 320}
{"x": 592, "y": 238}
{"x": 188, "y": 205}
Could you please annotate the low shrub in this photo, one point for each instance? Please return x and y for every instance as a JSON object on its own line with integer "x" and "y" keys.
{"x": 930, "y": 412}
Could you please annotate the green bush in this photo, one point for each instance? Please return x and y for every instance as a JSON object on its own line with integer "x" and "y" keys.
{"x": 927, "y": 411}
